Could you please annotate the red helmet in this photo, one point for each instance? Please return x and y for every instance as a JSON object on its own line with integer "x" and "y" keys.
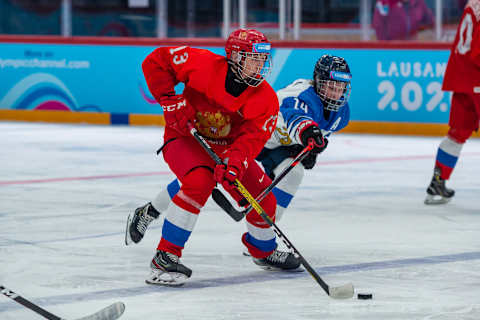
{"x": 250, "y": 45}
{"x": 243, "y": 40}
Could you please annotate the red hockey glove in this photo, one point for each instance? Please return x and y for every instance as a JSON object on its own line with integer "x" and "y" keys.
{"x": 311, "y": 132}
{"x": 233, "y": 169}
{"x": 177, "y": 113}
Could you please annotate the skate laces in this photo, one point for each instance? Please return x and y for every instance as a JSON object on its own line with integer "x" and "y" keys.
{"x": 164, "y": 258}
{"x": 278, "y": 256}
{"x": 437, "y": 177}
{"x": 438, "y": 181}
{"x": 438, "y": 184}
{"x": 438, "y": 187}
{"x": 165, "y": 262}
{"x": 172, "y": 257}
{"x": 144, "y": 220}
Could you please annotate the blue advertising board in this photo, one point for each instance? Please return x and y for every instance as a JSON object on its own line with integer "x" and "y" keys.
{"x": 387, "y": 84}
{"x": 73, "y": 77}
{"x": 399, "y": 85}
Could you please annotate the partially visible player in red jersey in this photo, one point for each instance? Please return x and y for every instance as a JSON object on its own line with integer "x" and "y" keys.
{"x": 235, "y": 110}
{"x": 463, "y": 78}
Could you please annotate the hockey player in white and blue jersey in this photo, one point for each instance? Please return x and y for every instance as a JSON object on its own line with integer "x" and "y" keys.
{"x": 309, "y": 110}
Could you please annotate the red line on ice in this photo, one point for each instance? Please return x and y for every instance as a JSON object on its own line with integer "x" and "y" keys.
{"x": 111, "y": 176}
{"x": 419, "y": 157}
{"x": 157, "y": 173}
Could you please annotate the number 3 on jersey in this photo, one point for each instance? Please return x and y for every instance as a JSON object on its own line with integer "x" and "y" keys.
{"x": 178, "y": 59}
{"x": 270, "y": 123}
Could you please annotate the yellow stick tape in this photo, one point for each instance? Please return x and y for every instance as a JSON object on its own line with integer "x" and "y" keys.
{"x": 258, "y": 208}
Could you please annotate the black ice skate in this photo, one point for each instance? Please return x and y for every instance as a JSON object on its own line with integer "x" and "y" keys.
{"x": 167, "y": 270}
{"x": 279, "y": 260}
{"x": 437, "y": 192}
{"x": 138, "y": 223}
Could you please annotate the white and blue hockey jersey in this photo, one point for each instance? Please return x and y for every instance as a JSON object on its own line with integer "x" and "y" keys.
{"x": 299, "y": 102}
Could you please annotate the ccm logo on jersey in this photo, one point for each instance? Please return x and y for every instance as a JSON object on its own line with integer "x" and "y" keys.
{"x": 176, "y": 106}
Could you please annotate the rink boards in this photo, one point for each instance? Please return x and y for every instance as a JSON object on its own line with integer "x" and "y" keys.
{"x": 396, "y": 87}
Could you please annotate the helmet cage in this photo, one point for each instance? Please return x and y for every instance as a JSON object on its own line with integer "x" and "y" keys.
{"x": 253, "y": 67}
{"x": 333, "y": 93}
{"x": 332, "y": 81}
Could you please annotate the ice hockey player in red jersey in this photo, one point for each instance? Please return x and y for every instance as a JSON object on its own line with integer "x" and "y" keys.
{"x": 235, "y": 110}
{"x": 462, "y": 76}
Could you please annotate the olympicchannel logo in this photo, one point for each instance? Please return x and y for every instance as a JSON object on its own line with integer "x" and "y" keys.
{"x": 44, "y": 63}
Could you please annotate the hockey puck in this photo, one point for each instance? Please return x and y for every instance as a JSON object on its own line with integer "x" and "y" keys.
{"x": 364, "y": 296}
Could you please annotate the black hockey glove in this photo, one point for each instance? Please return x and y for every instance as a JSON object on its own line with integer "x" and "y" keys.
{"x": 313, "y": 132}
{"x": 310, "y": 160}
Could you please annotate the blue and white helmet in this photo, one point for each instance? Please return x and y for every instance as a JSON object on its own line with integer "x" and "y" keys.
{"x": 332, "y": 81}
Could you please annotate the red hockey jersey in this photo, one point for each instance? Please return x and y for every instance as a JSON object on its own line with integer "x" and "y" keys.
{"x": 463, "y": 68}
{"x": 244, "y": 123}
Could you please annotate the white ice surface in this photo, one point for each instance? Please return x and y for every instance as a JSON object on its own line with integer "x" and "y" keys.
{"x": 66, "y": 190}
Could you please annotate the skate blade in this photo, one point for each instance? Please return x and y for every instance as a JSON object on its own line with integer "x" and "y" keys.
{"x": 169, "y": 279}
{"x": 128, "y": 240}
{"x": 436, "y": 200}
{"x": 276, "y": 269}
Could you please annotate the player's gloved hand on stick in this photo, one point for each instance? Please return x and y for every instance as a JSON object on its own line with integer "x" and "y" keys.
{"x": 177, "y": 112}
{"x": 311, "y": 132}
{"x": 310, "y": 160}
{"x": 234, "y": 168}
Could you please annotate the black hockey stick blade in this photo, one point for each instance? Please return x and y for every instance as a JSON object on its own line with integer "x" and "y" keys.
{"x": 223, "y": 202}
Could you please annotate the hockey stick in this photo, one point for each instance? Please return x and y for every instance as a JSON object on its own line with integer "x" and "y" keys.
{"x": 112, "y": 312}
{"x": 343, "y": 292}
{"x": 237, "y": 215}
